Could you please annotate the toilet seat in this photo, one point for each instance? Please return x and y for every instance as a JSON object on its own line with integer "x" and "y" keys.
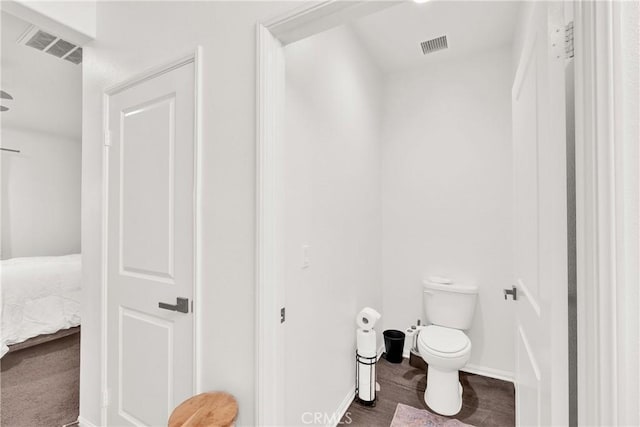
{"x": 442, "y": 341}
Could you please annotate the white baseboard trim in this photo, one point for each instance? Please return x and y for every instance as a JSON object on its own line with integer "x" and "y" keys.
{"x": 85, "y": 423}
{"x": 346, "y": 402}
{"x": 342, "y": 409}
{"x": 498, "y": 374}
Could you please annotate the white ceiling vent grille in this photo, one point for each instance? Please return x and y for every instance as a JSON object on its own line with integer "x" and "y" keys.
{"x": 434, "y": 45}
{"x": 40, "y": 40}
{"x": 54, "y": 45}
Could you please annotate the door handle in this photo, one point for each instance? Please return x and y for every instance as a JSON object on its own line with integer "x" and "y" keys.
{"x": 513, "y": 292}
{"x": 182, "y": 305}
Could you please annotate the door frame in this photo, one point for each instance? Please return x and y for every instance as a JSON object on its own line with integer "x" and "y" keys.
{"x": 607, "y": 193}
{"x": 194, "y": 57}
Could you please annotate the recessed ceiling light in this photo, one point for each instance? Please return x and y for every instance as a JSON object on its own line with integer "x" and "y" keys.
{"x": 420, "y": 1}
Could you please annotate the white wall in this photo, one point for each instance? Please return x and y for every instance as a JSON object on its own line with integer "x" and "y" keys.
{"x": 40, "y": 192}
{"x": 40, "y": 187}
{"x": 447, "y": 195}
{"x": 47, "y": 90}
{"x": 332, "y": 192}
{"x": 135, "y": 36}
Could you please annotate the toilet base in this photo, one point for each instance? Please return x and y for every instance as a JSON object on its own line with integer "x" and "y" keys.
{"x": 444, "y": 391}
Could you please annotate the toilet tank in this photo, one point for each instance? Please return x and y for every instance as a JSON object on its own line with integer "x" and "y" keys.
{"x": 449, "y": 305}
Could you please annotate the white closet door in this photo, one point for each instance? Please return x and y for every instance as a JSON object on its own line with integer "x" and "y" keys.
{"x": 541, "y": 222}
{"x": 150, "y": 247}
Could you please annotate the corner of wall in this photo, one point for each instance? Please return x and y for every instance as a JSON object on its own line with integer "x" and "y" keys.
{"x": 76, "y": 24}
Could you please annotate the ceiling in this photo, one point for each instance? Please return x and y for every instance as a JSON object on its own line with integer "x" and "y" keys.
{"x": 393, "y": 36}
{"x": 47, "y": 90}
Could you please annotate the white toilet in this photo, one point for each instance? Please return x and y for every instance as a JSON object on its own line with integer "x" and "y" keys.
{"x": 448, "y": 310}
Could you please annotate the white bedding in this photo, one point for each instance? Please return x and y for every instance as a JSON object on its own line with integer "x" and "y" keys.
{"x": 40, "y": 295}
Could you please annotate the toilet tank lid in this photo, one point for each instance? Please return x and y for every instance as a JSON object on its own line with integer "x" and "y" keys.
{"x": 455, "y": 287}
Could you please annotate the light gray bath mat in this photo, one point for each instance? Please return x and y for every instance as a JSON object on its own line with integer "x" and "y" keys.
{"x": 408, "y": 416}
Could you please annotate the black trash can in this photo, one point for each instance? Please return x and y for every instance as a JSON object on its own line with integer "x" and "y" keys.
{"x": 393, "y": 345}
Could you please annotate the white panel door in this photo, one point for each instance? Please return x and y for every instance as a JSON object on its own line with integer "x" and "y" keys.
{"x": 541, "y": 218}
{"x": 150, "y": 254}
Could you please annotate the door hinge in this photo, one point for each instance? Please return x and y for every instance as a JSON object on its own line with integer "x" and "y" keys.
{"x": 107, "y": 138}
{"x": 106, "y": 398}
{"x": 282, "y": 315}
{"x": 568, "y": 41}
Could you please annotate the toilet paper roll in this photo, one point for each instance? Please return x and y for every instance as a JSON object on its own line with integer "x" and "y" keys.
{"x": 366, "y": 382}
{"x": 409, "y": 334}
{"x": 367, "y": 318}
{"x": 366, "y": 343}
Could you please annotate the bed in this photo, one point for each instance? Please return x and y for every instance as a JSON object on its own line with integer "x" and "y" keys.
{"x": 40, "y": 340}
{"x": 40, "y": 295}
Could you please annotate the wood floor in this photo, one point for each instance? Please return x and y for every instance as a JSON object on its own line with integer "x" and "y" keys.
{"x": 485, "y": 401}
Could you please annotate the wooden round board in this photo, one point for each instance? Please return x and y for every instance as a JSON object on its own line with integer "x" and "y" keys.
{"x": 206, "y": 410}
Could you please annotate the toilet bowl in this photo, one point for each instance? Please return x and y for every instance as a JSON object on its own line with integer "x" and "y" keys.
{"x": 446, "y": 351}
{"x": 448, "y": 308}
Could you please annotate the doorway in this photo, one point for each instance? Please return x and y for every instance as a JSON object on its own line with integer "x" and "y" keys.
{"x": 274, "y": 39}
{"x": 40, "y": 252}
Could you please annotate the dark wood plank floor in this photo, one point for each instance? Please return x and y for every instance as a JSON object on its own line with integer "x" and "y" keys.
{"x": 485, "y": 401}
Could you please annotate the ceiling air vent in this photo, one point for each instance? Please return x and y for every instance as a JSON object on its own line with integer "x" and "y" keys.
{"x": 434, "y": 45}
{"x": 54, "y": 45}
{"x": 40, "y": 40}
{"x": 61, "y": 48}
{"x": 75, "y": 56}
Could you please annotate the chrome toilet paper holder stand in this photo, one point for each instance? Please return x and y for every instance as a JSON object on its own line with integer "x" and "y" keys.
{"x": 362, "y": 361}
